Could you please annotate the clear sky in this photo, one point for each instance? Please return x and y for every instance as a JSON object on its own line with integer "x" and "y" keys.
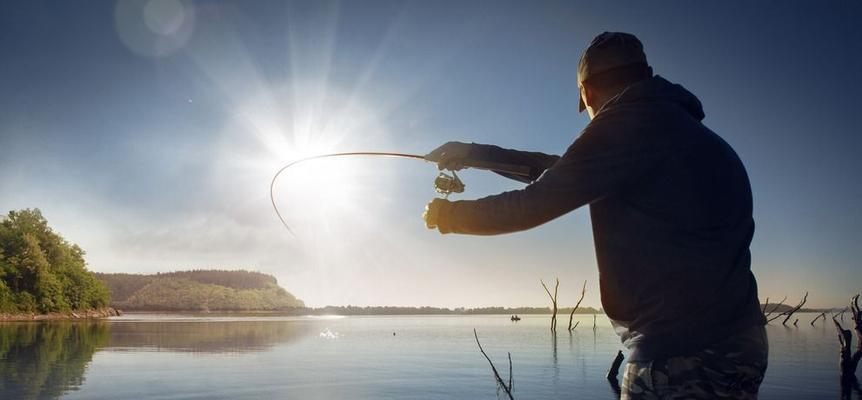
{"x": 147, "y": 133}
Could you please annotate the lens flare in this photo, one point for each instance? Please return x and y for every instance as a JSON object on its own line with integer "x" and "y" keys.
{"x": 154, "y": 28}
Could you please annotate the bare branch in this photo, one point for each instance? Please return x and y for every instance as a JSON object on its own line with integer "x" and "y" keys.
{"x": 572, "y": 315}
{"x": 546, "y": 289}
{"x": 857, "y": 322}
{"x": 553, "y": 302}
{"x": 763, "y": 310}
{"x": 787, "y": 313}
{"x": 779, "y": 304}
{"x": 614, "y": 372}
{"x": 556, "y": 286}
{"x": 510, "y": 372}
{"x": 795, "y": 309}
{"x": 840, "y": 312}
{"x": 500, "y": 382}
{"x": 822, "y": 315}
{"x": 849, "y": 361}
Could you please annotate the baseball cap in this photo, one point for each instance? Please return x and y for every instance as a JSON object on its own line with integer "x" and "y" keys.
{"x": 608, "y": 51}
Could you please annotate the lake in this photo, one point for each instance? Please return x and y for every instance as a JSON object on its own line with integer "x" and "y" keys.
{"x": 152, "y": 356}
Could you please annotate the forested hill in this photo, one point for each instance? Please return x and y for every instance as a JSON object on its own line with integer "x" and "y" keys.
{"x": 198, "y": 290}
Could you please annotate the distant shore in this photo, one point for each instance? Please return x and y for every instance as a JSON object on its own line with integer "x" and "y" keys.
{"x": 384, "y": 310}
{"x": 72, "y": 315}
{"x": 371, "y": 310}
{"x": 308, "y": 311}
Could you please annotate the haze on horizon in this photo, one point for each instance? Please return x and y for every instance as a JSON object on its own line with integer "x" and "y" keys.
{"x": 147, "y": 133}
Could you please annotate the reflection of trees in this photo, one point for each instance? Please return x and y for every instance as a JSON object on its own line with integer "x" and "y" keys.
{"x": 210, "y": 336}
{"x": 44, "y": 360}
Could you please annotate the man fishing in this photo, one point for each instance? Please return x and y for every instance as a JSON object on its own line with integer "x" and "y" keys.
{"x": 671, "y": 210}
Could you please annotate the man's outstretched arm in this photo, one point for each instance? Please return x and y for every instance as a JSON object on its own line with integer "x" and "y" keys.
{"x": 598, "y": 164}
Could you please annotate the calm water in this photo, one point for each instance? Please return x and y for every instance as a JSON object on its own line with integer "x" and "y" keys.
{"x": 142, "y": 356}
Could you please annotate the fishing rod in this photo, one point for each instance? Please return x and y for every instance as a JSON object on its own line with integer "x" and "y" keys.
{"x": 445, "y": 184}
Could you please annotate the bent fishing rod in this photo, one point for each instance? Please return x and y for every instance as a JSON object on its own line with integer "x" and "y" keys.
{"x": 445, "y": 184}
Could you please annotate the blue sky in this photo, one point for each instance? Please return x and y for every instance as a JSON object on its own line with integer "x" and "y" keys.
{"x": 147, "y": 132}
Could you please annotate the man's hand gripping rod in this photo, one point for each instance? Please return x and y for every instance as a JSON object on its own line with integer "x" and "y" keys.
{"x": 445, "y": 184}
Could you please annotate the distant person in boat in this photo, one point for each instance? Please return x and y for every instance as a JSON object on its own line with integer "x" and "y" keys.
{"x": 671, "y": 209}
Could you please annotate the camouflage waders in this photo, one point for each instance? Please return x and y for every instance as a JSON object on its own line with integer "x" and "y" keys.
{"x": 730, "y": 369}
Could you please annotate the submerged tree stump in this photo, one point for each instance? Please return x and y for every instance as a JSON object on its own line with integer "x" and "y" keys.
{"x": 553, "y": 303}
{"x": 849, "y": 359}
{"x": 774, "y": 308}
{"x": 501, "y": 384}
{"x": 614, "y": 372}
{"x": 821, "y": 315}
{"x": 789, "y": 313}
{"x": 572, "y": 314}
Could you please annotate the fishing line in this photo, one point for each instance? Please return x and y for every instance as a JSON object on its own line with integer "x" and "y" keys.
{"x": 348, "y": 154}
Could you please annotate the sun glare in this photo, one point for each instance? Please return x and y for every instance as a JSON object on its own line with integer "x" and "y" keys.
{"x": 299, "y": 121}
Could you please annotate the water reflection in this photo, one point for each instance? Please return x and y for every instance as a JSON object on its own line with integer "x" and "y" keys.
{"x": 207, "y": 337}
{"x": 238, "y": 357}
{"x": 556, "y": 363}
{"x": 46, "y": 360}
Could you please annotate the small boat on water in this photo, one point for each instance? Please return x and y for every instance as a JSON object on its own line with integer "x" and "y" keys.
{"x": 515, "y": 318}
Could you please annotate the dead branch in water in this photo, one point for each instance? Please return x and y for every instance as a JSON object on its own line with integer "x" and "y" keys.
{"x": 500, "y": 383}
{"x": 795, "y": 309}
{"x": 821, "y": 315}
{"x": 840, "y": 314}
{"x": 849, "y": 360}
{"x": 572, "y": 315}
{"x": 779, "y": 304}
{"x": 553, "y": 302}
{"x": 510, "y": 372}
{"x": 787, "y": 314}
{"x": 763, "y": 309}
{"x": 614, "y": 372}
{"x": 594, "y": 322}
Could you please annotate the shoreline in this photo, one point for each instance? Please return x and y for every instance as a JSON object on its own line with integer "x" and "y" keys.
{"x": 64, "y": 316}
{"x": 323, "y": 314}
{"x": 342, "y": 311}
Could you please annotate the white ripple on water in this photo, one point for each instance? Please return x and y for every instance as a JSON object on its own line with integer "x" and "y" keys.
{"x": 328, "y": 334}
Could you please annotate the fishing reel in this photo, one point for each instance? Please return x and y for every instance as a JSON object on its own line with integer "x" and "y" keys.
{"x": 446, "y": 184}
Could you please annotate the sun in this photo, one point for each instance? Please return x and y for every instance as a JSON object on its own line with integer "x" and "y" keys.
{"x": 297, "y": 121}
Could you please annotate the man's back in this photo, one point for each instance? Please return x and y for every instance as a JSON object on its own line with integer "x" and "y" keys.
{"x": 673, "y": 246}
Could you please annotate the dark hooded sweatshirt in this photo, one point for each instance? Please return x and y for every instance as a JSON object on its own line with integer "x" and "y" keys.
{"x": 671, "y": 210}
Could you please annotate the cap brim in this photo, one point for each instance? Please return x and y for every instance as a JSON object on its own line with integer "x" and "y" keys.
{"x": 581, "y": 105}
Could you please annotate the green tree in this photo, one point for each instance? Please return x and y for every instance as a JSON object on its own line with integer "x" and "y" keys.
{"x": 42, "y": 272}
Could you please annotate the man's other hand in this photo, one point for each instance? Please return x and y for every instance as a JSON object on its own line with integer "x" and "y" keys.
{"x": 432, "y": 213}
{"x": 451, "y": 156}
